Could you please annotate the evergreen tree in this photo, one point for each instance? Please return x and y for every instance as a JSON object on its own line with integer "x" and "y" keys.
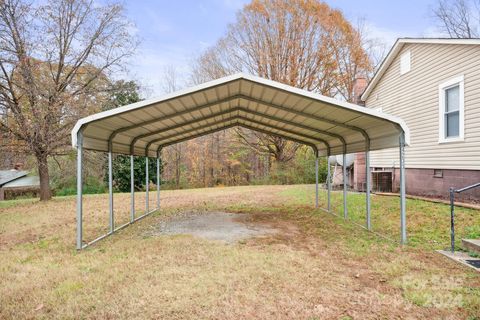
{"x": 126, "y": 92}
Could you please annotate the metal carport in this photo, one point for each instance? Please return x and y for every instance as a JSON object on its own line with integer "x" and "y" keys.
{"x": 329, "y": 126}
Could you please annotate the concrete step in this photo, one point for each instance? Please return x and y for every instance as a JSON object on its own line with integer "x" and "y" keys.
{"x": 472, "y": 245}
{"x": 463, "y": 258}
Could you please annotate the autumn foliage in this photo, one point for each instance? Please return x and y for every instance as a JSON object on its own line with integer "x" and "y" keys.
{"x": 302, "y": 43}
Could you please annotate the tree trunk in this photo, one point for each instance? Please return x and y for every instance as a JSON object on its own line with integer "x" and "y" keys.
{"x": 177, "y": 166}
{"x": 45, "y": 193}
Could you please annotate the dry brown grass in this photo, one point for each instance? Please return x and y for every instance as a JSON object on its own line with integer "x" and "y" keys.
{"x": 317, "y": 267}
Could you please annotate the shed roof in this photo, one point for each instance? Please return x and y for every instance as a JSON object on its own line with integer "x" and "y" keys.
{"x": 23, "y": 182}
{"x": 327, "y": 124}
{"x": 10, "y": 175}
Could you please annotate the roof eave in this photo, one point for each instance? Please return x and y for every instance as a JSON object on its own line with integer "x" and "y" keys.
{"x": 398, "y": 46}
{"x": 383, "y": 67}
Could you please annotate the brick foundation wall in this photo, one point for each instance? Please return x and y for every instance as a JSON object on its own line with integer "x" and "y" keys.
{"x": 422, "y": 182}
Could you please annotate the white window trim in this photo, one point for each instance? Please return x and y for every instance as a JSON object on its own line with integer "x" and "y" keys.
{"x": 459, "y": 80}
{"x": 408, "y": 67}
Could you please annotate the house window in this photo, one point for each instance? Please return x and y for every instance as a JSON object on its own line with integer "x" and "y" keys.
{"x": 438, "y": 173}
{"x": 405, "y": 62}
{"x": 451, "y": 119}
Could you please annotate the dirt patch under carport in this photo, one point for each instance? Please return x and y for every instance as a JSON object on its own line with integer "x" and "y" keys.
{"x": 220, "y": 226}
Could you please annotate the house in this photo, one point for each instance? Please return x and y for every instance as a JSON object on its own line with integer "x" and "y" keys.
{"x": 17, "y": 182}
{"x": 434, "y": 86}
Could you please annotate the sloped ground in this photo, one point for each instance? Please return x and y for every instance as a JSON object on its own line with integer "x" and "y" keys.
{"x": 315, "y": 267}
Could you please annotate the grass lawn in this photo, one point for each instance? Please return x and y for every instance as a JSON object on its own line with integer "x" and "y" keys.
{"x": 317, "y": 267}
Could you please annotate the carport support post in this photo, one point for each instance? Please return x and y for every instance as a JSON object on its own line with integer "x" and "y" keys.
{"x": 329, "y": 185}
{"x": 344, "y": 167}
{"x": 367, "y": 186}
{"x": 158, "y": 180}
{"x": 403, "y": 222}
{"x": 146, "y": 184}
{"x": 110, "y": 191}
{"x": 79, "y": 190}
{"x": 316, "y": 179}
{"x": 132, "y": 190}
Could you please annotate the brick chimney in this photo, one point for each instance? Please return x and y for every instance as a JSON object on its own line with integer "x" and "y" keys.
{"x": 359, "y": 86}
{"x": 359, "y": 181}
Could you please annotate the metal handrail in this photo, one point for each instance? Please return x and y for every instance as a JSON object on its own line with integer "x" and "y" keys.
{"x": 452, "y": 211}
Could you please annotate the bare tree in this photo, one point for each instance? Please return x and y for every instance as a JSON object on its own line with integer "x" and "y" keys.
{"x": 170, "y": 79}
{"x": 55, "y": 58}
{"x": 349, "y": 47}
{"x": 172, "y": 153}
{"x": 459, "y": 18}
{"x": 303, "y": 43}
{"x": 214, "y": 63}
{"x": 281, "y": 149}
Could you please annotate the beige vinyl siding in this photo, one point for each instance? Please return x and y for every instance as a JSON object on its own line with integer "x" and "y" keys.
{"x": 414, "y": 97}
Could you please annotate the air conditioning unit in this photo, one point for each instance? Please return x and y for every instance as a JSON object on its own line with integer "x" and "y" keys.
{"x": 382, "y": 181}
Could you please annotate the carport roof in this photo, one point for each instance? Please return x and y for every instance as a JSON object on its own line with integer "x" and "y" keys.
{"x": 327, "y": 124}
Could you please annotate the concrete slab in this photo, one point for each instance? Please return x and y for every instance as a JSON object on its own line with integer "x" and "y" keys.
{"x": 472, "y": 245}
{"x": 223, "y": 226}
{"x": 463, "y": 258}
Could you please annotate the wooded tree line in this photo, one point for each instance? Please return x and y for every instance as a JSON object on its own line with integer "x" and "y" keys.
{"x": 58, "y": 59}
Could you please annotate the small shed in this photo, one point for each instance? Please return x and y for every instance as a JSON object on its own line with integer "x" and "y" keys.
{"x": 17, "y": 181}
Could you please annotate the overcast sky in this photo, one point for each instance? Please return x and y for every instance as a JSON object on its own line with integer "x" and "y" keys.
{"x": 172, "y": 33}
